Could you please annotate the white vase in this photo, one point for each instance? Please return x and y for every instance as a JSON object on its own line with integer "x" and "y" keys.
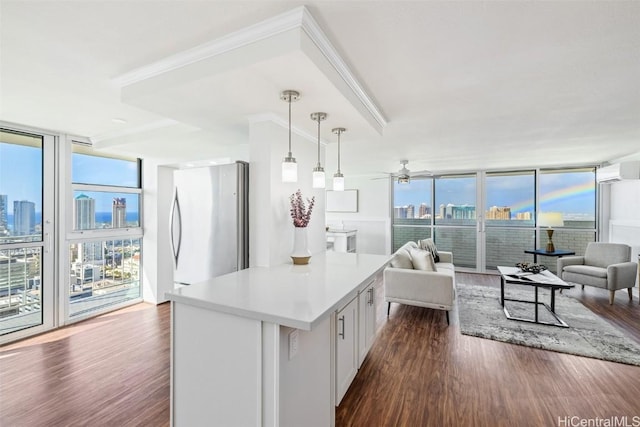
{"x": 301, "y": 253}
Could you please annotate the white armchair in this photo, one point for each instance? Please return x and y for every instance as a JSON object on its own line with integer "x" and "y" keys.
{"x": 430, "y": 289}
{"x": 604, "y": 265}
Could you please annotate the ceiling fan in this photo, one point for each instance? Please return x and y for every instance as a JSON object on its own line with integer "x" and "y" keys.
{"x": 404, "y": 175}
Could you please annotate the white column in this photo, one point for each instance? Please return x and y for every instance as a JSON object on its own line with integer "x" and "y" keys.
{"x": 270, "y": 225}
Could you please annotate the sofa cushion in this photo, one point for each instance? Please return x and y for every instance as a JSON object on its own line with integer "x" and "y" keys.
{"x": 401, "y": 259}
{"x": 429, "y": 245}
{"x": 422, "y": 260}
{"x": 445, "y": 266}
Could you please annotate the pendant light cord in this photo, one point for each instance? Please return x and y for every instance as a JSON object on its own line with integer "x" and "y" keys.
{"x": 289, "y": 125}
{"x": 339, "y": 151}
{"x": 318, "y": 140}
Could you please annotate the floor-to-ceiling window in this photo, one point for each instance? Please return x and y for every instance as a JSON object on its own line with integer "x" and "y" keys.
{"x": 509, "y": 217}
{"x": 70, "y": 231}
{"x": 26, "y": 232}
{"x": 413, "y": 211}
{"x": 104, "y": 241}
{"x": 490, "y": 218}
{"x": 571, "y": 193}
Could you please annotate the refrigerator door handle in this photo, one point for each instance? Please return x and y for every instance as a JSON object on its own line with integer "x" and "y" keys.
{"x": 176, "y": 217}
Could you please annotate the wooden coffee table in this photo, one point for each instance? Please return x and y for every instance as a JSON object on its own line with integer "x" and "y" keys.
{"x": 544, "y": 279}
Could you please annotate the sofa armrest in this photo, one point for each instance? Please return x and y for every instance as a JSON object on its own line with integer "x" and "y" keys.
{"x": 568, "y": 260}
{"x": 445, "y": 256}
{"x": 418, "y": 285}
{"x": 621, "y": 275}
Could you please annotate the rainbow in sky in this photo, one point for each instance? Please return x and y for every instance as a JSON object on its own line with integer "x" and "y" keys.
{"x": 567, "y": 193}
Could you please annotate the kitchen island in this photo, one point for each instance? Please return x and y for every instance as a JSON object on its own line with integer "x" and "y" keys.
{"x": 271, "y": 346}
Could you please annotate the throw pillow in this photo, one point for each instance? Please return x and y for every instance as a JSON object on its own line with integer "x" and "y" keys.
{"x": 422, "y": 260}
{"x": 401, "y": 259}
{"x": 429, "y": 245}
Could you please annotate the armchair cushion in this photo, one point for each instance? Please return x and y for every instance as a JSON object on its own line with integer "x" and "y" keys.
{"x": 587, "y": 270}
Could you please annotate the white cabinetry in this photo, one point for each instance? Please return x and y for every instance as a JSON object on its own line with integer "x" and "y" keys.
{"x": 367, "y": 321}
{"x": 346, "y": 347}
{"x": 355, "y": 332}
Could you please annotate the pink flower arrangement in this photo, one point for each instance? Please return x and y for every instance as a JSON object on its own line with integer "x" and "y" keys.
{"x": 299, "y": 212}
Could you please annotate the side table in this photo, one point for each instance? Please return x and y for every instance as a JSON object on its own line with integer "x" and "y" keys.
{"x": 558, "y": 252}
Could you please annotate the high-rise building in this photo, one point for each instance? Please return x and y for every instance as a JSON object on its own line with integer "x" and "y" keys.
{"x": 400, "y": 211}
{"x": 411, "y": 211}
{"x": 499, "y": 212}
{"x": 119, "y": 212}
{"x": 452, "y": 211}
{"x": 24, "y": 217}
{"x": 84, "y": 212}
{"x": 524, "y": 216}
{"x": 424, "y": 211}
{"x": 4, "y": 222}
{"x": 84, "y": 217}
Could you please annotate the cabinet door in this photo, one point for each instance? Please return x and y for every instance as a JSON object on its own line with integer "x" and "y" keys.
{"x": 367, "y": 322}
{"x": 346, "y": 347}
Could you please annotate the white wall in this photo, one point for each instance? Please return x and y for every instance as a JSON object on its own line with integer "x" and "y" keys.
{"x": 624, "y": 214}
{"x": 372, "y": 220}
{"x": 270, "y": 225}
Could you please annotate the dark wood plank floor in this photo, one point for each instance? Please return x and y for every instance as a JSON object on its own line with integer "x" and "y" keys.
{"x": 421, "y": 372}
{"x": 114, "y": 371}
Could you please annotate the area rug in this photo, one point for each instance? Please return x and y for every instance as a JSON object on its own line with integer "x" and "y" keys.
{"x": 480, "y": 314}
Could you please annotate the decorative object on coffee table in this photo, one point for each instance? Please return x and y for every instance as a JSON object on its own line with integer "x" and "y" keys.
{"x": 531, "y": 268}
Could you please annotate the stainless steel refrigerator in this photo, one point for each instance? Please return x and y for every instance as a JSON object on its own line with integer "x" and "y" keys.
{"x": 209, "y": 222}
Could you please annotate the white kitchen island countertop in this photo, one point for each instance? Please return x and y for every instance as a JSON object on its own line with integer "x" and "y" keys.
{"x": 297, "y": 296}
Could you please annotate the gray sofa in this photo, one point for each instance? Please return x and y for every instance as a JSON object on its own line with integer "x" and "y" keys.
{"x": 405, "y": 284}
{"x": 604, "y": 265}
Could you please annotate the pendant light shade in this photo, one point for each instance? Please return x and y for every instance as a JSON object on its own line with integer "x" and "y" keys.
{"x": 338, "y": 178}
{"x": 318, "y": 171}
{"x": 289, "y": 165}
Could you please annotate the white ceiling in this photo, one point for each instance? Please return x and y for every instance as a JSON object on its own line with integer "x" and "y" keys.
{"x": 463, "y": 85}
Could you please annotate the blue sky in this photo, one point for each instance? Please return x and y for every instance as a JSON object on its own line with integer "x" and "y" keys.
{"x": 561, "y": 192}
{"x": 21, "y": 176}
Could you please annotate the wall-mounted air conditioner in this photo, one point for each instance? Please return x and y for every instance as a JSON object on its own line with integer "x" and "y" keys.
{"x": 618, "y": 172}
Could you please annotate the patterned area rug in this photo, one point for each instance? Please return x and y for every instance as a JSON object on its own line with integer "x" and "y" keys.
{"x": 481, "y": 315}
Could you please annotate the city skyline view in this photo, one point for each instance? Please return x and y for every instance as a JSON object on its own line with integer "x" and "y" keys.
{"x": 19, "y": 162}
{"x": 572, "y": 193}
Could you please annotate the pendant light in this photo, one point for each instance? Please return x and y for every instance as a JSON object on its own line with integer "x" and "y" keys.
{"x": 318, "y": 171}
{"x": 289, "y": 165}
{"x": 338, "y": 178}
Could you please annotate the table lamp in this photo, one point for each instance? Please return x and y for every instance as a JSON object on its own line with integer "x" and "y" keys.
{"x": 549, "y": 220}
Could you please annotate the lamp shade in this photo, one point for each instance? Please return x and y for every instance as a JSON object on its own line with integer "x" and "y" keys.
{"x": 550, "y": 219}
{"x": 338, "y": 182}
{"x": 289, "y": 171}
{"x": 318, "y": 179}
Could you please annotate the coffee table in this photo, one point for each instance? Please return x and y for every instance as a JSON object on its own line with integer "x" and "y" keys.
{"x": 544, "y": 279}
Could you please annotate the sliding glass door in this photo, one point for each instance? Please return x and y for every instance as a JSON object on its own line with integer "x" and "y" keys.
{"x": 26, "y": 234}
{"x": 490, "y": 218}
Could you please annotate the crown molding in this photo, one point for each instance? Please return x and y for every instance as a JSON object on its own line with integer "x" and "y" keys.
{"x": 298, "y": 18}
{"x": 262, "y": 30}
{"x": 315, "y": 33}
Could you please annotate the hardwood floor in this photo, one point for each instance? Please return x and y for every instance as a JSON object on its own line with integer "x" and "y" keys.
{"x": 422, "y": 373}
{"x": 114, "y": 371}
